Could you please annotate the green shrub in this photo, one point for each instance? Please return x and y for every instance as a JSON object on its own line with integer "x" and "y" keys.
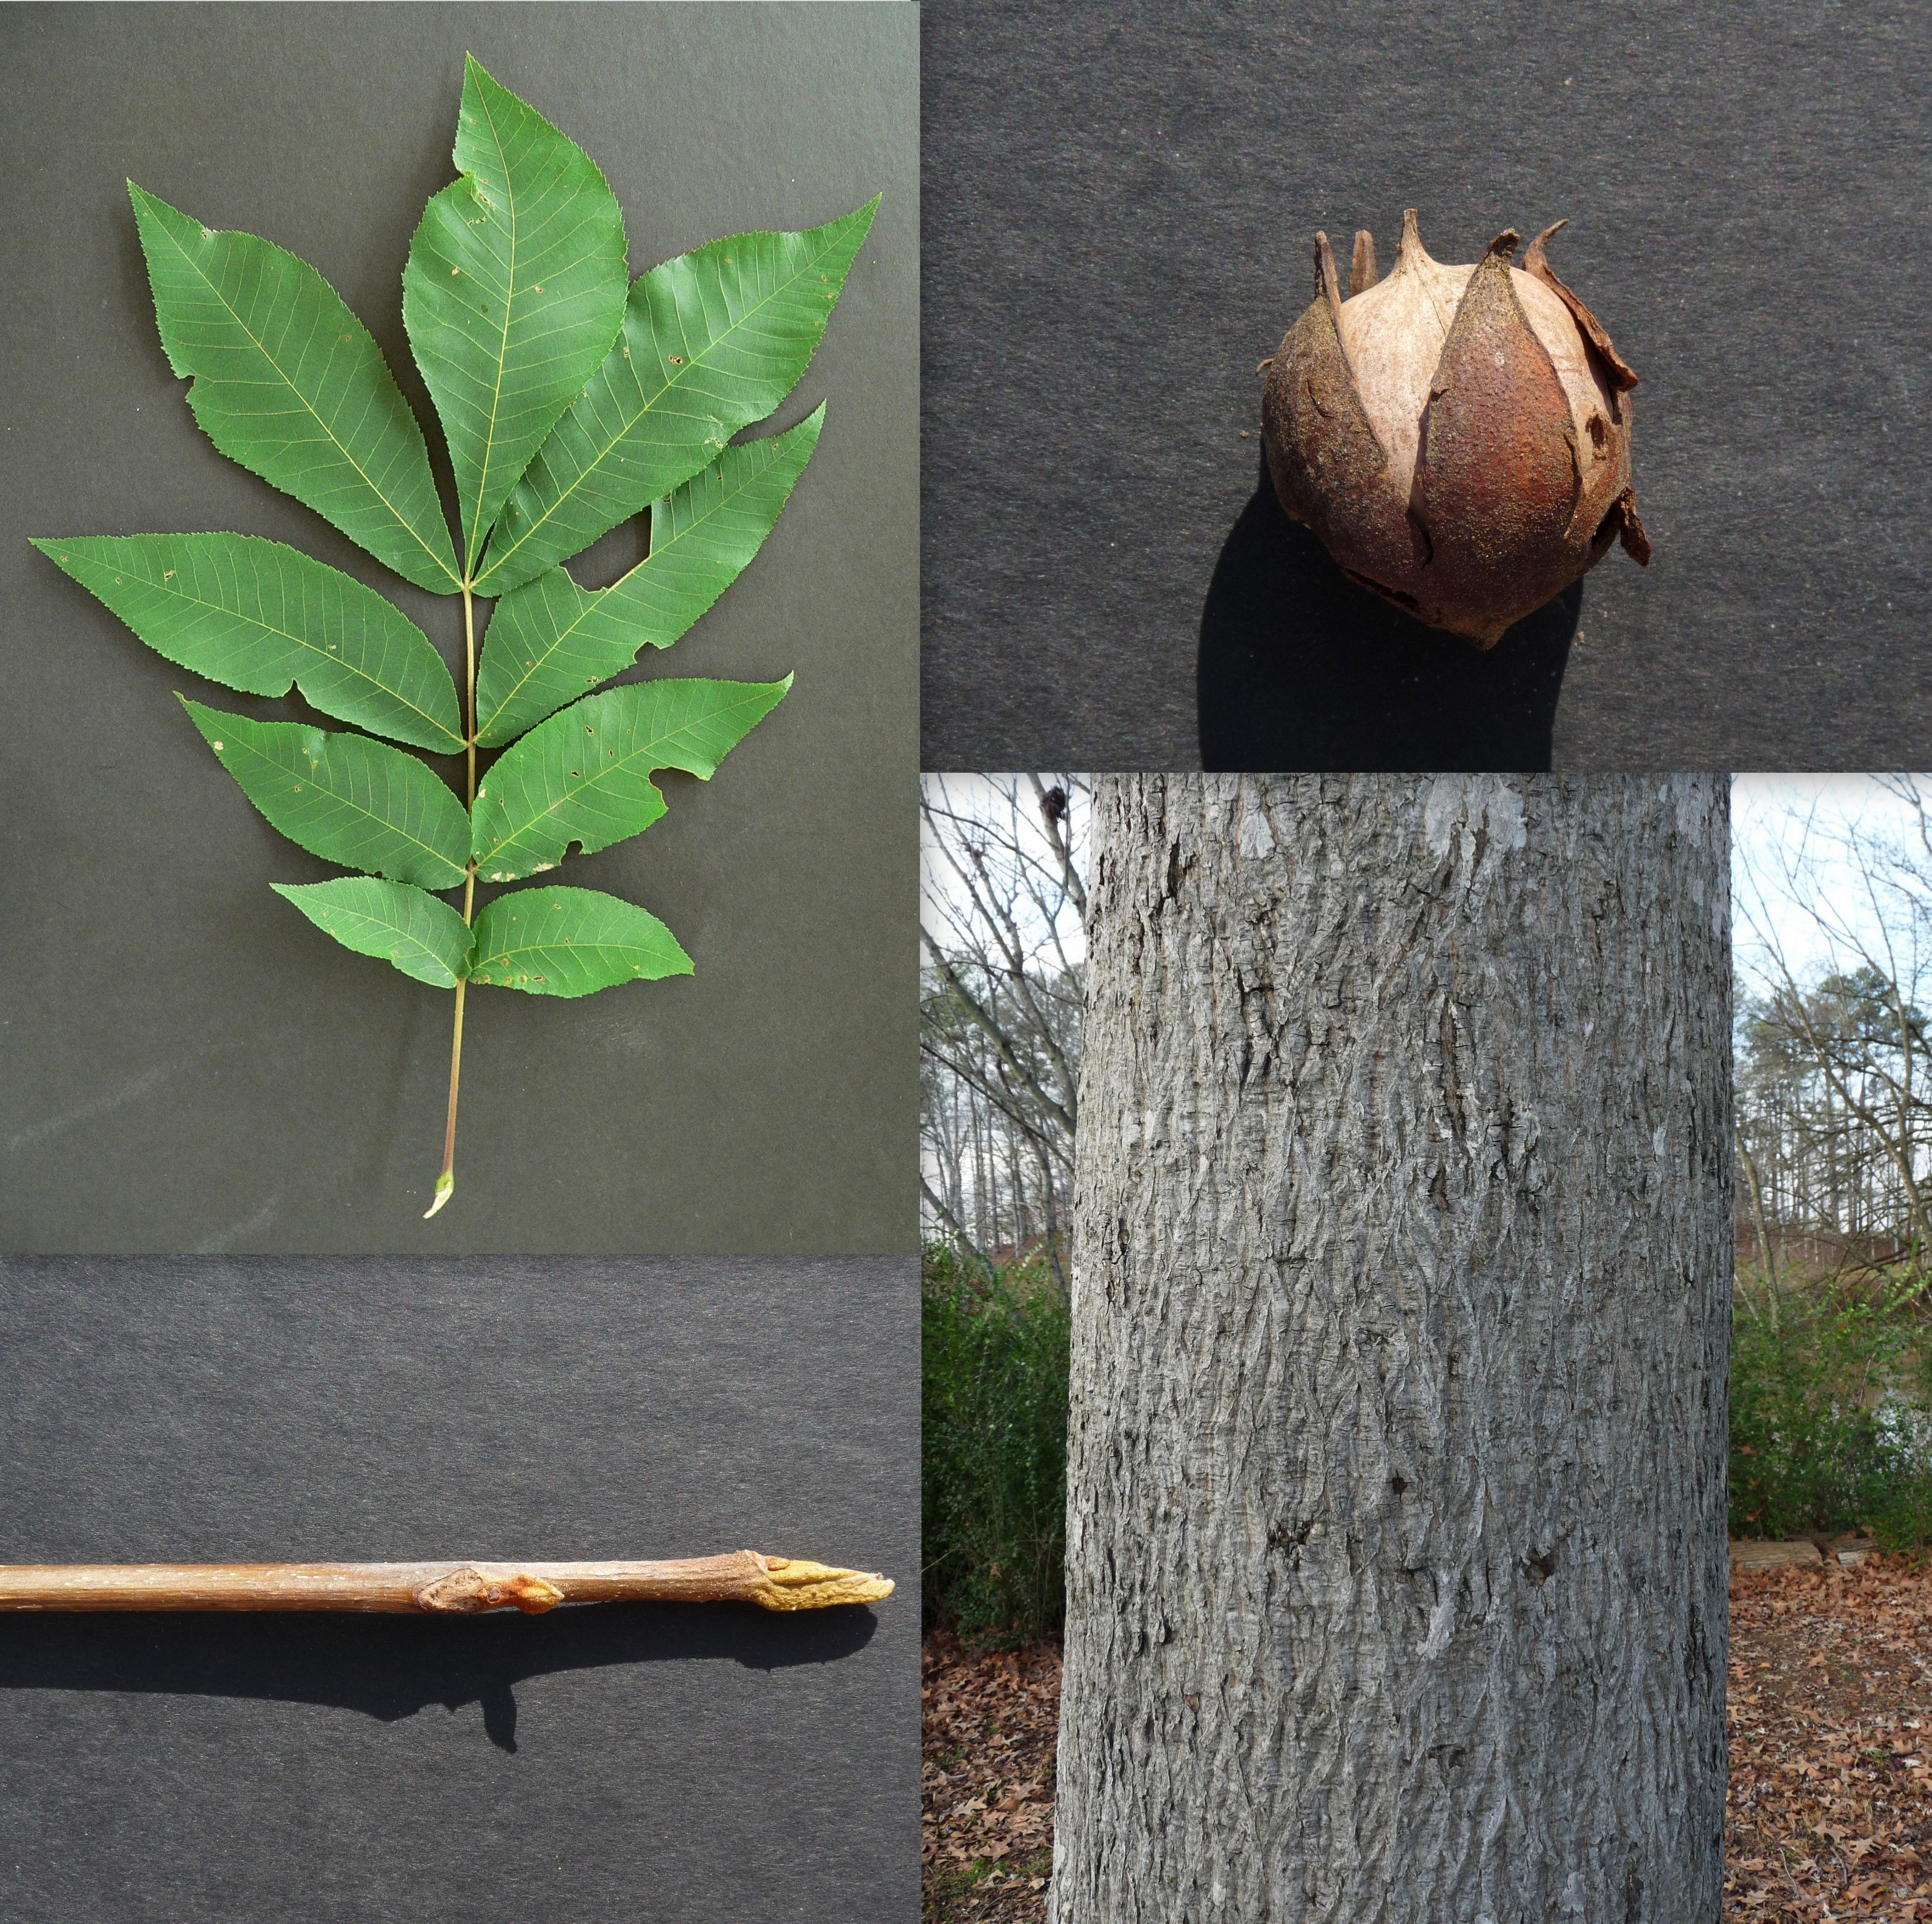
{"x": 1822, "y": 1440}
{"x": 994, "y": 1432}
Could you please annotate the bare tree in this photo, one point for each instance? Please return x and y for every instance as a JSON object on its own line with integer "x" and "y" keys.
{"x": 1396, "y": 1562}
{"x": 1834, "y": 1083}
{"x": 1001, "y": 931}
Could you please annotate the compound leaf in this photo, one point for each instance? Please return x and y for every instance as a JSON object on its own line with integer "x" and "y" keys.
{"x": 551, "y": 640}
{"x": 288, "y": 382}
{"x": 712, "y": 341}
{"x": 254, "y": 615}
{"x": 570, "y": 942}
{"x": 513, "y": 293}
{"x": 423, "y": 937}
{"x": 584, "y": 776}
{"x": 343, "y": 797}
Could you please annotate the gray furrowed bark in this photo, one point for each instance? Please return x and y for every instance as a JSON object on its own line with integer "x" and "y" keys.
{"x": 1396, "y": 1575}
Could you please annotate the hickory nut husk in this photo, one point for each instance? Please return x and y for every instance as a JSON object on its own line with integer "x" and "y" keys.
{"x": 1458, "y": 438}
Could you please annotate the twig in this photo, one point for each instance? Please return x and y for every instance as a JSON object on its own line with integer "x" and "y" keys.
{"x": 744, "y": 1576}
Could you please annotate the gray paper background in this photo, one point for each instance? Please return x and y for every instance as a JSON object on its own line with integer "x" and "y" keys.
{"x": 1120, "y": 206}
{"x": 190, "y": 1066}
{"x": 681, "y": 1765}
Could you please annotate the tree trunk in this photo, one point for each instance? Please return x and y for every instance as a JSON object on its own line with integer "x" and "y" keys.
{"x": 1396, "y": 1575}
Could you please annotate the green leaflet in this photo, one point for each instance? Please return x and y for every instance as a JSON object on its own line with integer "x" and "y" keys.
{"x": 423, "y": 936}
{"x": 584, "y": 776}
{"x": 343, "y": 797}
{"x": 254, "y": 615}
{"x": 514, "y": 292}
{"x": 712, "y": 341}
{"x": 551, "y": 640}
{"x": 570, "y": 942}
{"x": 288, "y": 382}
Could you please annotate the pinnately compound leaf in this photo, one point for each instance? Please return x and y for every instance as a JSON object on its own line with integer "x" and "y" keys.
{"x": 343, "y": 797}
{"x": 570, "y": 942}
{"x": 584, "y": 776}
{"x": 514, "y": 292}
{"x": 551, "y": 640}
{"x": 570, "y": 402}
{"x": 421, "y": 935}
{"x": 712, "y": 341}
{"x": 254, "y": 615}
{"x": 288, "y": 382}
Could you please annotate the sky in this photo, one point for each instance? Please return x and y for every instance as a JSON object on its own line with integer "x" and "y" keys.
{"x": 1769, "y": 814}
{"x": 977, "y": 795}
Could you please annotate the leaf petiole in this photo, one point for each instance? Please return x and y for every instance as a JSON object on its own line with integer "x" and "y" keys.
{"x": 445, "y": 1183}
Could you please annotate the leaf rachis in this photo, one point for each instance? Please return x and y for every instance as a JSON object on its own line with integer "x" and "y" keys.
{"x": 445, "y": 1181}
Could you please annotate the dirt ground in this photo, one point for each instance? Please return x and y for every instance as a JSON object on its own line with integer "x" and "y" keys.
{"x": 1830, "y": 1791}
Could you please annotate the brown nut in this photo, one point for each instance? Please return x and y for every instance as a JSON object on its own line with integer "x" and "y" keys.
{"x": 1458, "y": 438}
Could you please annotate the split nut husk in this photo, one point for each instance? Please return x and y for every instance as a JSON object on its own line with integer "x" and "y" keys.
{"x": 1458, "y": 438}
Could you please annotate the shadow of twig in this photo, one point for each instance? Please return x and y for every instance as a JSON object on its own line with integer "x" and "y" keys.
{"x": 391, "y": 1667}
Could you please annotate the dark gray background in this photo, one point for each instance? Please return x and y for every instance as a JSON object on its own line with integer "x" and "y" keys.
{"x": 189, "y": 1065}
{"x": 701, "y": 1763}
{"x": 1120, "y": 204}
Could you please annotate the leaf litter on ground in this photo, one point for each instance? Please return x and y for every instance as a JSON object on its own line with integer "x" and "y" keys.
{"x": 992, "y": 1720}
{"x": 1830, "y": 1810}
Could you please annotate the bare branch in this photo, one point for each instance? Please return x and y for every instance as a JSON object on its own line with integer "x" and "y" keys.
{"x": 1002, "y": 943}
